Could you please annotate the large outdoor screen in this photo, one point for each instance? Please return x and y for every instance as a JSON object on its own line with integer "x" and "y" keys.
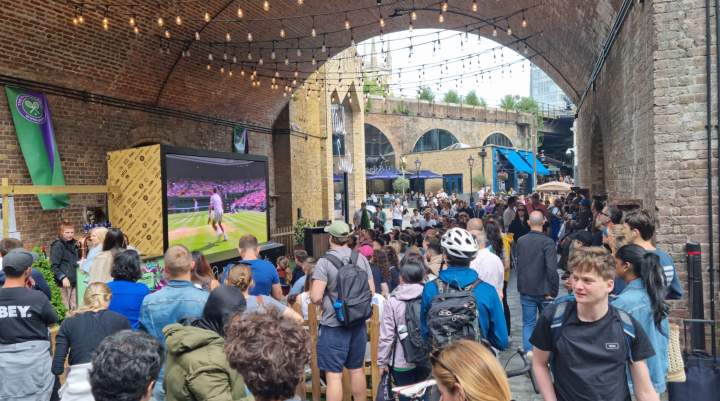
{"x": 212, "y": 201}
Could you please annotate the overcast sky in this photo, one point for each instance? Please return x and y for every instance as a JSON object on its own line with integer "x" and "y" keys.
{"x": 444, "y": 65}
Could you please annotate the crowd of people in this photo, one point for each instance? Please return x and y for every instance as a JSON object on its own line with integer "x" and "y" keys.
{"x": 439, "y": 278}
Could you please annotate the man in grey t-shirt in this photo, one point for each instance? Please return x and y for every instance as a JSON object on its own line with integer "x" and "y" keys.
{"x": 338, "y": 346}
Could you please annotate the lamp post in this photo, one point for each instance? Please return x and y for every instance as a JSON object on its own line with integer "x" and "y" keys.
{"x": 417, "y": 174}
{"x": 471, "y": 161}
{"x": 483, "y": 155}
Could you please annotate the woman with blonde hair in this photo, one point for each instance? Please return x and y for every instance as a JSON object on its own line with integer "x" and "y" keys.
{"x": 240, "y": 276}
{"x": 101, "y": 268}
{"x": 458, "y": 380}
{"x": 97, "y": 237}
{"x": 81, "y": 332}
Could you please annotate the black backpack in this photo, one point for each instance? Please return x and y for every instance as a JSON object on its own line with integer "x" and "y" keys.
{"x": 453, "y": 314}
{"x": 353, "y": 291}
{"x": 413, "y": 344}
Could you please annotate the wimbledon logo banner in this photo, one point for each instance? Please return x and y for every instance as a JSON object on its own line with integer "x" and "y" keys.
{"x": 33, "y": 124}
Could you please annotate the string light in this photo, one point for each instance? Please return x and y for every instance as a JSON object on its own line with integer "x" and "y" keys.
{"x": 178, "y": 20}
{"x": 300, "y": 2}
{"x": 282, "y": 29}
{"x": 524, "y": 23}
{"x": 167, "y": 33}
{"x": 136, "y": 30}
{"x": 347, "y": 22}
{"x": 105, "y": 23}
{"x": 160, "y": 21}
{"x": 474, "y": 6}
{"x": 441, "y": 17}
{"x": 444, "y": 6}
{"x": 266, "y": 5}
{"x": 227, "y": 37}
{"x": 197, "y": 35}
{"x": 494, "y": 33}
{"x": 240, "y": 12}
{"x": 324, "y": 47}
{"x": 509, "y": 30}
{"x": 249, "y": 37}
{"x": 313, "y": 32}
{"x": 207, "y": 16}
{"x": 132, "y": 20}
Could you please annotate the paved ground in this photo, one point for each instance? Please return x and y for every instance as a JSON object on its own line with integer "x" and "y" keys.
{"x": 521, "y": 387}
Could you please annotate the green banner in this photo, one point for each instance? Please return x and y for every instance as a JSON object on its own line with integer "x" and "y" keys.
{"x": 33, "y": 124}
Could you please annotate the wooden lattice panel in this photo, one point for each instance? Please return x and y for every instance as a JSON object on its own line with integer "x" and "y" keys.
{"x": 135, "y": 203}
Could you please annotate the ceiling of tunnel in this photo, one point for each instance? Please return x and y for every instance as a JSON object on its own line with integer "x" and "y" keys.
{"x": 40, "y": 43}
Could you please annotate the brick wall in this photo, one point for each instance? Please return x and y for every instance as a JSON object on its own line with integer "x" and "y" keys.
{"x": 84, "y": 133}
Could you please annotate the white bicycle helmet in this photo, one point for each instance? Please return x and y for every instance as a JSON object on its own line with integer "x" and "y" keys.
{"x": 459, "y": 244}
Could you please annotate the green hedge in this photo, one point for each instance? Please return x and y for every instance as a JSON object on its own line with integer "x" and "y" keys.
{"x": 42, "y": 264}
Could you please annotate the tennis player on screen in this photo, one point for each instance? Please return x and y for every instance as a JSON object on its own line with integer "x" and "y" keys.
{"x": 216, "y": 214}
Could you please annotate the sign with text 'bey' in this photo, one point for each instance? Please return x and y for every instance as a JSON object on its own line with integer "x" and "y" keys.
{"x": 33, "y": 124}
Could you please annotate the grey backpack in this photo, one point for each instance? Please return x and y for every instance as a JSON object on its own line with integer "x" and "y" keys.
{"x": 453, "y": 314}
{"x": 354, "y": 302}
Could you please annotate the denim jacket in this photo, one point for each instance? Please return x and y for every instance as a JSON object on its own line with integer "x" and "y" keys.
{"x": 179, "y": 299}
{"x": 634, "y": 300}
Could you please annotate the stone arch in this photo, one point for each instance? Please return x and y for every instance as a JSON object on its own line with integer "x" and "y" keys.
{"x": 597, "y": 158}
{"x": 434, "y": 139}
{"x": 149, "y": 135}
{"x": 378, "y": 148}
{"x": 498, "y": 139}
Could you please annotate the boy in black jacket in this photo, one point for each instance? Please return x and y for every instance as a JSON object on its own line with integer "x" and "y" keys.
{"x": 63, "y": 260}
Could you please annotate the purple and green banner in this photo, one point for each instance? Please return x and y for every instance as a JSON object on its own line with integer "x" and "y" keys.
{"x": 33, "y": 124}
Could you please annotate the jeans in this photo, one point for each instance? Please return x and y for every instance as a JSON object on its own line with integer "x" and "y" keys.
{"x": 532, "y": 305}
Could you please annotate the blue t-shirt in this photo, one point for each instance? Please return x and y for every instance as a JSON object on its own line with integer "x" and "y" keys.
{"x": 674, "y": 290}
{"x": 127, "y": 298}
{"x": 264, "y": 275}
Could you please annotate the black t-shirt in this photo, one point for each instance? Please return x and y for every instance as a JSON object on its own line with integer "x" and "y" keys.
{"x": 589, "y": 358}
{"x": 25, "y": 315}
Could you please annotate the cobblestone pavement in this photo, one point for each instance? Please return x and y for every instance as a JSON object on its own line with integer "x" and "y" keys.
{"x": 521, "y": 387}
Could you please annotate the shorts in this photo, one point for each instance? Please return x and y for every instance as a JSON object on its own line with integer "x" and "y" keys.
{"x": 216, "y": 216}
{"x": 339, "y": 347}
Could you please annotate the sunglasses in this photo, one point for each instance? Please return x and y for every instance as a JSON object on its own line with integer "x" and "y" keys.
{"x": 435, "y": 360}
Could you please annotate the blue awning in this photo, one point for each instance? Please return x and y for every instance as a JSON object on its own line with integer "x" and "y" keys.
{"x": 423, "y": 175}
{"x": 337, "y": 178}
{"x": 383, "y": 174}
{"x": 529, "y": 157}
{"x": 518, "y": 162}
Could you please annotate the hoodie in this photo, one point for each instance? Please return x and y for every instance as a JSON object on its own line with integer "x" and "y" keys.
{"x": 394, "y": 314}
{"x": 197, "y": 368}
{"x": 491, "y": 317}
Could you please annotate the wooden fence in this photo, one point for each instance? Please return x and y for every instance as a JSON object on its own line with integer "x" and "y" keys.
{"x": 284, "y": 235}
{"x": 317, "y": 389}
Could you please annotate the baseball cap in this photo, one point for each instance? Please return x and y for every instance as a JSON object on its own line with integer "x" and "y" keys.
{"x": 338, "y": 228}
{"x": 17, "y": 261}
{"x": 585, "y": 237}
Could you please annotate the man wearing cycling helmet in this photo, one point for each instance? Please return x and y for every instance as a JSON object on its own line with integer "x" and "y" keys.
{"x": 459, "y": 248}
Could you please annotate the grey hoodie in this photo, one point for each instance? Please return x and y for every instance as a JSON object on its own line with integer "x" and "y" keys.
{"x": 394, "y": 313}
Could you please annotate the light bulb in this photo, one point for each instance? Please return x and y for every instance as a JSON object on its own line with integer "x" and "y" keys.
{"x": 249, "y": 56}
{"x": 474, "y": 6}
{"x": 75, "y": 20}
{"x": 524, "y": 22}
{"x": 300, "y": 2}
{"x": 282, "y": 33}
{"x": 410, "y": 28}
{"x": 222, "y": 70}
{"x": 207, "y": 16}
{"x": 132, "y": 21}
{"x": 441, "y": 18}
{"x": 225, "y": 57}
{"x": 323, "y": 48}
{"x": 313, "y": 32}
{"x": 277, "y": 74}
{"x": 287, "y": 61}
{"x": 382, "y": 22}
{"x": 105, "y": 23}
{"x": 266, "y": 5}
{"x": 160, "y": 21}
{"x": 136, "y": 30}
{"x": 294, "y": 82}
{"x": 240, "y": 12}
{"x": 413, "y": 15}
{"x": 313, "y": 61}
{"x": 347, "y": 23}
{"x": 295, "y": 74}
{"x": 210, "y": 57}
{"x": 249, "y": 37}
{"x": 197, "y": 35}
{"x": 227, "y": 37}
{"x": 230, "y": 73}
{"x": 209, "y": 67}
{"x": 444, "y": 6}
{"x": 260, "y": 61}
{"x": 81, "y": 19}
{"x": 509, "y": 31}
{"x": 242, "y": 72}
{"x": 272, "y": 55}
{"x": 234, "y": 59}
{"x": 178, "y": 20}
{"x": 299, "y": 52}
{"x": 494, "y": 32}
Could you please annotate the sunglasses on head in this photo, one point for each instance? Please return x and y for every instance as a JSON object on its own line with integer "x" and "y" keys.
{"x": 435, "y": 360}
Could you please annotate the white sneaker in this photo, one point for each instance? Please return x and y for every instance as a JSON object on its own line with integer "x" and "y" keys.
{"x": 225, "y": 237}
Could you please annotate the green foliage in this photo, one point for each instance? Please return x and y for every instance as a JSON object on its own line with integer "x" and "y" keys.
{"x": 401, "y": 184}
{"x": 479, "y": 181}
{"x": 299, "y": 230}
{"x": 473, "y": 99}
{"x": 42, "y": 264}
{"x": 402, "y": 108}
{"x": 451, "y": 97}
{"x": 371, "y": 87}
{"x": 368, "y": 105}
{"x": 425, "y": 93}
{"x": 509, "y": 102}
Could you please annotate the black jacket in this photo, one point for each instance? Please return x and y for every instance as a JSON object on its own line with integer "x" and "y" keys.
{"x": 63, "y": 260}
{"x": 536, "y": 263}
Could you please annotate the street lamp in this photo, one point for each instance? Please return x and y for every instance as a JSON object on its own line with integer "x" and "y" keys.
{"x": 417, "y": 178}
{"x": 483, "y": 155}
{"x": 471, "y": 161}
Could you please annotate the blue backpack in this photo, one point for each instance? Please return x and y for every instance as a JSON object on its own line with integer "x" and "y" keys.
{"x": 562, "y": 312}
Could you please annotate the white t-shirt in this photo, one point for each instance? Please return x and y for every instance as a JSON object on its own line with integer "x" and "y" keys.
{"x": 490, "y": 269}
{"x": 216, "y": 203}
{"x": 397, "y": 212}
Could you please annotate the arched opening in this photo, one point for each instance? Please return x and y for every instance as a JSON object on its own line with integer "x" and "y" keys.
{"x": 435, "y": 139}
{"x": 379, "y": 152}
{"x": 498, "y": 139}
